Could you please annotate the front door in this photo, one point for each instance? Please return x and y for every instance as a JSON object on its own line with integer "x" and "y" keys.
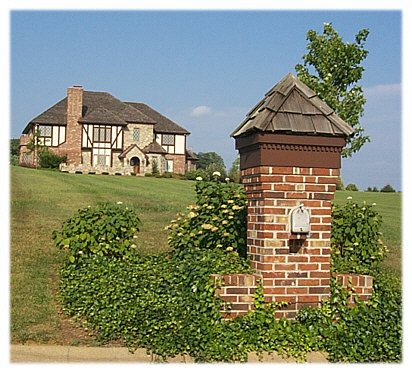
{"x": 135, "y": 162}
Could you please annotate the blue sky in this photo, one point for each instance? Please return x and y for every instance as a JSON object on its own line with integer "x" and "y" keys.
{"x": 205, "y": 70}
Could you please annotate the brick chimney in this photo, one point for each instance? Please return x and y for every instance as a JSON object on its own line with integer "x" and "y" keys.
{"x": 74, "y": 128}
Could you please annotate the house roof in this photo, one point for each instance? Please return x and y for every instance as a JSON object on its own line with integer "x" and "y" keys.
{"x": 98, "y": 107}
{"x": 163, "y": 124}
{"x": 292, "y": 107}
{"x": 191, "y": 155}
{"x": 154, "y": 147}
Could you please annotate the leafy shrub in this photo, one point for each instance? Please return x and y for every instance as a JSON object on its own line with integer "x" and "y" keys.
{"x": 356, "y": 241}
{"x": 368, "y": 332}
{"x": 48, "y": 159}
{"x": 217, "y": 220}
{"x": 161, "y": 303}
{"x": 107, "y": 229}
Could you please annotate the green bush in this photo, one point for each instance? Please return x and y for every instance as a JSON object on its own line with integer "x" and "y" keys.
{"x": 218, "y": 220}
{"x": 356, "y": 240}
{"x": 48, "y": 159}
{"x": 107, "y": 229}
{"x": 351, "y": 187}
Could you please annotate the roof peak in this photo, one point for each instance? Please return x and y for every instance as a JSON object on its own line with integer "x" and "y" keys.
{"x": 303, "y": 112}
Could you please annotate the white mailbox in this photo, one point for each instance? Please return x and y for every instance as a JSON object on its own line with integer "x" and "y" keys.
{"x": 300, "y": 220}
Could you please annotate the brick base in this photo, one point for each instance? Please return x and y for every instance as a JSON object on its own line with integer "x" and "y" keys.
{"x": 361, "y": 286}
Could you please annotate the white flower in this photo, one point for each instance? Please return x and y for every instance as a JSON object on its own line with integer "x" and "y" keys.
{"x": 191, "y": 215}
{"x": 373, "y": 204}
{"x": 229, "y": 248}
{"x": 227, "y": 179}
{"x": 349, "y": 197}
{"x": 199, "y": 178}
{"x": 216, "y": 173}
{"x": 120, "y": 203}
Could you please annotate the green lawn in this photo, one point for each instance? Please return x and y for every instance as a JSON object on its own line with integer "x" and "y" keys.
{"x": 42, "y": 200}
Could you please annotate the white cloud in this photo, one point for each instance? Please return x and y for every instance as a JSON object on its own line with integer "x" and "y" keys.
{"x": 383, "y": 90}
{"x": 201, "y": 111}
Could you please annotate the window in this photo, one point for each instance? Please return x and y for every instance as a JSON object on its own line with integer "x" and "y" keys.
{"x": 168, "y": 139}
{"x": 135, "y": 134}
{"x": 169, "y": 166}
{"x": 101, "y": 160}
{"x": 45, "y": 131}
{"x": 101, "y": 134}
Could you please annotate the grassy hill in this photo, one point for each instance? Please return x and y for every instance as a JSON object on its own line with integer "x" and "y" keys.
{"x": 42, "y": 200}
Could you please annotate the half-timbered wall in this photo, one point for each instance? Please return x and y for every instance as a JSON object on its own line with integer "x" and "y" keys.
{"x": 173, "y": 144}
{"x": 102, "y": 140}
{"x": 50, "y": 135}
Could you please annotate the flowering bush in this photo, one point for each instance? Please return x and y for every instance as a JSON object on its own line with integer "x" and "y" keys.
{"x": 217, "y": 220}
{"x": 106, "y": 230}
{"x": 356, "y": 240}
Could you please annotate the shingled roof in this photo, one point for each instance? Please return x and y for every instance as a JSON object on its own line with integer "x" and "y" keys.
{"x": 163, "y": 124}
{"x": 292, "y": 107}
{"x": 98, "y": 107}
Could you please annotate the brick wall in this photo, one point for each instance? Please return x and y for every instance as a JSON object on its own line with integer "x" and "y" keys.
{"x": 72, "y": 146}
{"x": 179, "y": 163}
{"x": 237, "y": 291}
{"x": 294, "y": 270}
{"x": 360, "y": 285}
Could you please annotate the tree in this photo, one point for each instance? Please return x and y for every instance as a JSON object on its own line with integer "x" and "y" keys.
{"x": 336, "y": 69}
{"x": 352, "y": 187}
{"x": 388, "y": 189}
{"x": 234, "y": 172}
{"x": 210, "y": 158}
{"x": 14, "y": 146}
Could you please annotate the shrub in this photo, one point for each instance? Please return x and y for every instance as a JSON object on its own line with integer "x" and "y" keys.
{"x": 356, "y": 241}
{"x": 218, "y": 220}
{"x": 48, "y": 159}
{"x": 107, "y": 230}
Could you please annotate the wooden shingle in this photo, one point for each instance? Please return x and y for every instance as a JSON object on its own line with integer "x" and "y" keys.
{"x": 292, "y": 107}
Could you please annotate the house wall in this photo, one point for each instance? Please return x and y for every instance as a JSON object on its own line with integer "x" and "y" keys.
{"x": 146, "y": 135}
{"x": 179, "y": 163}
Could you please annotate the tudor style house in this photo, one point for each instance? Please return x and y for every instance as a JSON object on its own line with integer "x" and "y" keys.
{"x": 101, "y": 134}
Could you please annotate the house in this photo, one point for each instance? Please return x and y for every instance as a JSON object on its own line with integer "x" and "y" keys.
{"x": 102, "y": 134}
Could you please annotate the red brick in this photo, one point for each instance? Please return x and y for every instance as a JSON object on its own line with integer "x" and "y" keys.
{"x": 298, "y": 259}
{"x": 319, "y": 290}
{"x": 297, "y": 275}
{"x": 298, "y": 290}
{"x": 282, "y": 170}
{"x": 307, "y": 267}
{"x": 328, "y": 180}
{"x": 321, "y": 171}
{"x": 296, "y": 195}
{"x": 284, "y": 267}
{"x": 294, "y": 179}
{"x": 323, "y": 196}
{"x": 319, "y": 274}
{"x": 275, "y": 290}
{"x": 308, "y": 282}
{"x": 308, "y": 299}
{"x": 240, "y": 307}
{"x": 319, "y": 259}
{"x": 315, "y": 188}
{"x": 237, "y": 290}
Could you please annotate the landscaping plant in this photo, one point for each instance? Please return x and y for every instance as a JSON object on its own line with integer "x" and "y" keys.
{"x": 166, "y": 303}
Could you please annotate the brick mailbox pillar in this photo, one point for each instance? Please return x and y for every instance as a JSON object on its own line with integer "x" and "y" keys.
{"x": 290, "y": 155}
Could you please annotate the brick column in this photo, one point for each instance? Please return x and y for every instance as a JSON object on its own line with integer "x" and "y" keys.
{"x": 295, "y": 271}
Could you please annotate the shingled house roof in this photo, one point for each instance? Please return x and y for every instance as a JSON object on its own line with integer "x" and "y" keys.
{"x": 163, "y": 124}
{"x": 103, "y": 108}
{"x": 292, "y": 107}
